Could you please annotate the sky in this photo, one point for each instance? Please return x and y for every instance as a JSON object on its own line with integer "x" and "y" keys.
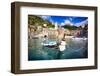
{"x": 62, "y": 20}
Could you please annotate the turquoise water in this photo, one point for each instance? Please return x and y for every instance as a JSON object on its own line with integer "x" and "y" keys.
{"x": 75, "y": 49}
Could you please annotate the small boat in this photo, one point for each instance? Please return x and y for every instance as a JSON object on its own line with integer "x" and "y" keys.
{"x": 50, "y": 44}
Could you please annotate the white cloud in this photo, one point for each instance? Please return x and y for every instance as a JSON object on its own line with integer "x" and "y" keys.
{"x": 48, "y": 18}
{"x": 82, "y": 23}
{"x": 45, "y": 17}
{"x": 62, "y": 23}
{"x": 67, "y": 22}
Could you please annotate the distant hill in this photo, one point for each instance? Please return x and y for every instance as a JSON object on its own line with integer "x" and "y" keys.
{"x": 70, "y": 27}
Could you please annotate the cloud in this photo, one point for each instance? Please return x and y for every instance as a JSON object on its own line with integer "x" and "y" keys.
{"x": 45, "y": 17}
{"x": 62, "y": 24}
{"x": 82, "y": 23}
{"x": 67, "y": 21}
{"x": 48, "y": 18}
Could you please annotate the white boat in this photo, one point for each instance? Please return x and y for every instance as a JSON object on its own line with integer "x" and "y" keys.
{"x": 52, "y": 43}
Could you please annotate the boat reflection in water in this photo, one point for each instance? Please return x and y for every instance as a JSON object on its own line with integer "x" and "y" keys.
{"x": 49, "y": 49}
